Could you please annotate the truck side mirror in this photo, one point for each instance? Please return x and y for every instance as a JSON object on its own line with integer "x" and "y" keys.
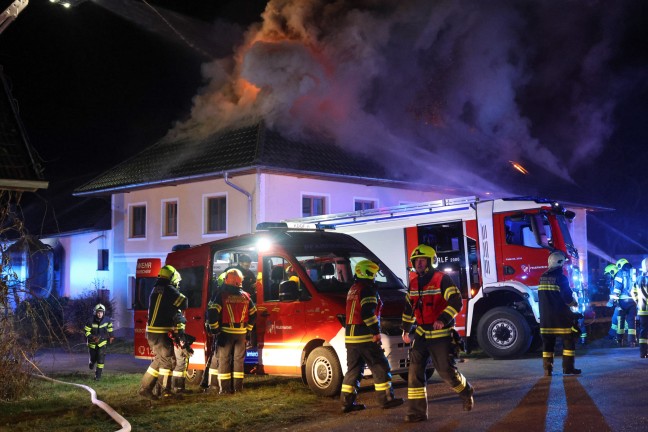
{"x": 288, "y": 291}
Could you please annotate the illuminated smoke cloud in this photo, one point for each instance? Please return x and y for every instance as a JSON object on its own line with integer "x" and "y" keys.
{"x": 425, "y": 85}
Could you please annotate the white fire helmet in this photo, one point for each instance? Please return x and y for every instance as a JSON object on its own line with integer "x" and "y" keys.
{"x": 556, "y": 259}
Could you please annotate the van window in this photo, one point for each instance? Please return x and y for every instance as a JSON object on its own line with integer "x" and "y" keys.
{"x": 191, "y": 285}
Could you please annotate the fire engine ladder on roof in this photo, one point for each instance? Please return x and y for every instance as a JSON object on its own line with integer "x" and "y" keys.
{"x": 383, "y": 213}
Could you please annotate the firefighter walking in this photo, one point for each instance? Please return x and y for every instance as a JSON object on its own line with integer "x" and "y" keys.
{"x": 610, "y": 272}
{"x": 556, "y": 318}
{"x": 622, "y": 292}
{"x": 99, "y": 333}
{"x": 362, "y": 340}
{"x": 233, "y": 313}
{"x": 433, "y": 301}
{"x": 164, "y": 303}
{"x": 640, "y": 292}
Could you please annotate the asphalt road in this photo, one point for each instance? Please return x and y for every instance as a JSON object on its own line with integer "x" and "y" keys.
{"x": 510, "y": 395}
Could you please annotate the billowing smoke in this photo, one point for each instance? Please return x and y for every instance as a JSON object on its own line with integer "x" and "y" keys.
{"x": 428, "y": 88}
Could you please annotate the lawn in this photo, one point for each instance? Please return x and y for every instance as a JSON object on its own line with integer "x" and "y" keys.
{"x": 267, "y": 403}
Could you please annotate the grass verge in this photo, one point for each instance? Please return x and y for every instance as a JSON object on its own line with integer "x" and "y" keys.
{"x": 267, "y": 403}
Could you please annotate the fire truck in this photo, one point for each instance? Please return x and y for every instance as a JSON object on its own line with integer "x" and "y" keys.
{"x": 494, "y": 250}
{"x": 303, "y": 276}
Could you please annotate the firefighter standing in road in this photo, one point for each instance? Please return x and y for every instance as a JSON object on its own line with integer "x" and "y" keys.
{"x": 556, "y": 317}
{"x": 622, "y": 292}
{"x": 99, "y": 333}
{"x": 433, "y": 301}
{"x": 362, "y": 340}
{"x": 234, "y": 315}
{"x": 609, "y": 272}
{"x": 164, "y": 303}
{"x": 641, "y": 297}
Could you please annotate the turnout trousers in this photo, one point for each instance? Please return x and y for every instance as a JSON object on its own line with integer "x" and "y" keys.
{"x": 162, "y": 346}
{"x": 442, "y": 355}
{"x": 368, "y": 354}
{"x": 231, "y": 358}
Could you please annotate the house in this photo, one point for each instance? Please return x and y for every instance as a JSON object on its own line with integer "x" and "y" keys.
{"x": 195, "y": 191}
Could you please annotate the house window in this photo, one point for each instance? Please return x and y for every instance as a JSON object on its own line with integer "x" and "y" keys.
{"x": 364, "y": 204}
{"x": 313, "y": 206}
{"x": 170, "y": 218}
{"x": 138, "y": 221}
{"x": 216, "y": 215}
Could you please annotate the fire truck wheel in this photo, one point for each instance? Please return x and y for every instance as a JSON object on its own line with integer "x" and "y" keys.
{"x": 503, "y": 333}
{"x": 323, "y": 372}
{"x": 194, "y": 376}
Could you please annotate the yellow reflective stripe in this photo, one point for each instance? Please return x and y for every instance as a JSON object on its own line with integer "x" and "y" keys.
{"x": 450, "y": 291}
{"x": 416, "y": 393}
{"x": 152, "y": 371}
{"x": 230, "y": 312}
{"x": 224, "y": 376}
{"x": 450, "y": 311}
{"x": 165, "y": 372}
{"x": 346, "y": 388}
{"x": 570, "y": 353}
{"x": 462, "y": 384}
{"x": 407, "y": 318}
{"x": 358, "y": 339}
{"x": 102, "y": 343}
{"x": 548, "y": 288}
{"x": 152, "y": 329}
{"x": 156, "y": 307}
{"x": 214, "y": 326}
{"x": 239, "y": 375}
{"x": 234, "y": 330}
{"x": 382, "y": 386}
{"x": 546, "y": 354}
{"x": 556, "y": 331}
{"x": 178, "y": 374}
{"x": 213, "y": 371}
{"x": 371, "y": 320}
{"x": 179, "y": 300}
{"x": 433, "y": 334}
{"x": 352, "y": 314}
{"x": 368, "y": 300}
{"x": 249, "y": 327}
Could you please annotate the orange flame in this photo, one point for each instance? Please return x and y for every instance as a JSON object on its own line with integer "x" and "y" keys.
{"x": 519, "y": 167}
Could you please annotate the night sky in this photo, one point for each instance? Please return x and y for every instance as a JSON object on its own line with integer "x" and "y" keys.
{"x": 561, "y": 87}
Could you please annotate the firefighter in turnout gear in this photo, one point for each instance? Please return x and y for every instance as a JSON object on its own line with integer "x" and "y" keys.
{"x": 233, "y": 314}
{"x": 164, "y": 303}
{"x": 609, "y": 272}
{"x": 556, "y": 317}
{"x": 640, "y": 294}
{"x": 622, "y": 292}
{"x": 98, "y": 333}
{"x": 210, "y": 378}
{"x": 433, "y": 301}
{"x": 362, "y": 340}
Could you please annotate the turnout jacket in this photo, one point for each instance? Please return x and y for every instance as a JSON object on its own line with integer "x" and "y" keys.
{"x": 98, "y": 331}
{"x": 640, "y": 295}
{"x": 431, "y": 297}
{"x": 232, "y": 311}
{"x": 622, "y": 289}
{"x": 363, "y": 307}
{"x": 555, "y": 298}
{"x": 164, "y": 303}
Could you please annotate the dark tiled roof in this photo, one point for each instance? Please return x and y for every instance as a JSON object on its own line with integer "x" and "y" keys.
{"x": 240, "y": 150}
{"x": 18, "y": 170}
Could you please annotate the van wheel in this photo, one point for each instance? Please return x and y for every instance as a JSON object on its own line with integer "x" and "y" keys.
{"x": 323, "y": 372}
{"x": 194, "y": 376}
{"x": 503, "y": 333}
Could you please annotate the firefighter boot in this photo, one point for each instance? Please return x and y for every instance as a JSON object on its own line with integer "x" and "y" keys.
{"x": 547, "y": 364}
{"x": 568, "y": 366}
{"x": 90, "y": 365}
{"x": 98, "y": 372}
{"x": 225, "y": 386}
{"x": 146, "y": 387}
{"x": 467, "y": 396}
{"x": 238, "y": 385}
{"x": 348, "y": 403}
{"x": 179, "y": 386}
{"x": 387, "y": 400}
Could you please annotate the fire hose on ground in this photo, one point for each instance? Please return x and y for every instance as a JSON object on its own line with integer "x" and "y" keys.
{"x": 125, "y": 425}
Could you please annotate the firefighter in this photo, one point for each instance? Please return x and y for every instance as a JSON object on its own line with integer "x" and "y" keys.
{"x": 164, "y": 303}
{"x": 641, "y": 297}
{"x": 622, "y": 292}
{"x": 99, "y": 333}
{"x": 433, "y": 301}
{"x": 210, "y": 378}
{"x": 233, "y": 314}
{"x": 609, "y": 272}
{"x": 362, "y": 340}
{"x": 556, "y": 318}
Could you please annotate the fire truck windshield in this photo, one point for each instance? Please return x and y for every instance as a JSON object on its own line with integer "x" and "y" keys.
{"x": 334, "y": 272}
{"x": 564, "y": 230}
